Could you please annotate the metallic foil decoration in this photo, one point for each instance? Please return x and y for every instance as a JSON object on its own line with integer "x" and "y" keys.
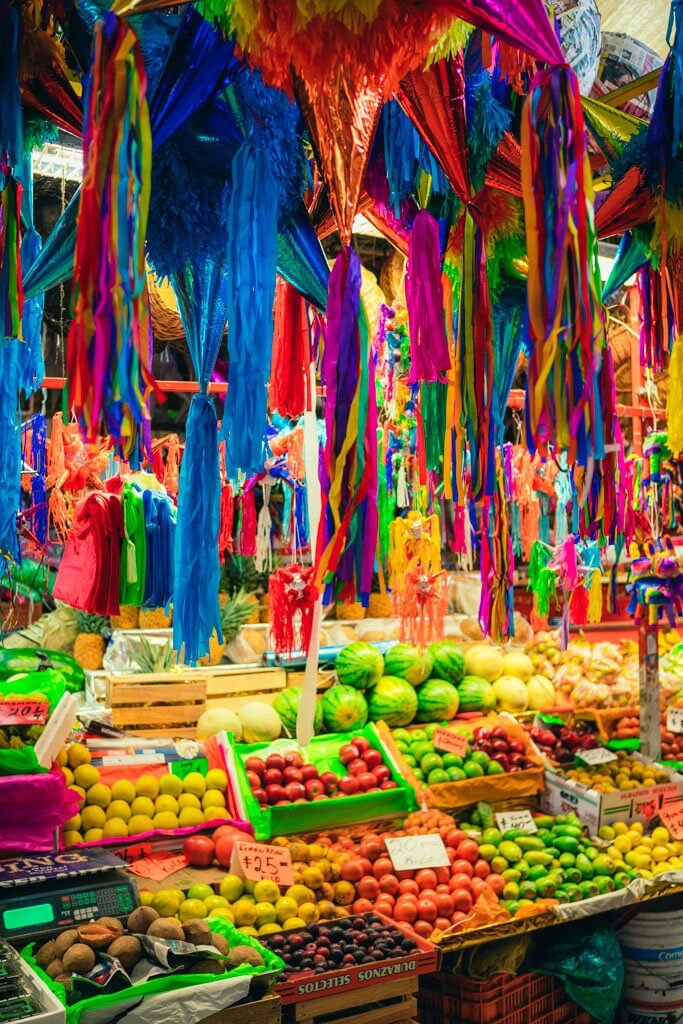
{"x": 523, "y": 23}
{"x": 434, "y": 100}
{"x": 301, "y": 259}
{"x": 342, "y": 119}
{"x": 504, "y": 168}
{"x": 610, "y": 128}
{"x": 628, "y": 204}
{"x": 49, "y": 92}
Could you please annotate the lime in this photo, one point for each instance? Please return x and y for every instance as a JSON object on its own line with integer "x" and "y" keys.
{"x": 481, "y": 757}
{"x": 401, "y": 736}
{"x": 409, "y": 759}
{"x": 419, "y": 750}
{"x": 491, "y": 835}
{"x": 430, "y": 761}
{"x": 511, "y": 891}
{"x": 403, "y": 746}
{"x": 452, "y": 760}
{"x": 494, "y": 768}
{"x": 487, "y": 851}
{"x": 419, "y": 774}
{"x": 456, "y": 774}
{"x": 436, "y": 776}
{"x": 431, "y": 729}
{"x": 417, "y": 735}
{"x": 473, "y": 770}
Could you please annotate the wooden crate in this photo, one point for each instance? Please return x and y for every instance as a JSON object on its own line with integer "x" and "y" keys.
{"x": 259, "y": 1011}
{"x": 326, "y": 678}
{"x": 398, "y": 1004}
{"x": 232, "y": 686}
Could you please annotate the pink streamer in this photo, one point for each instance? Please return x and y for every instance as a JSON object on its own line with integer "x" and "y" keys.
{"x": 429, "y": 356}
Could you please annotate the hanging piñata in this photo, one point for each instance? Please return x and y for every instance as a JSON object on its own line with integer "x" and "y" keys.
{"x": 293, "y": 595}
{"x": 419, "y": 586}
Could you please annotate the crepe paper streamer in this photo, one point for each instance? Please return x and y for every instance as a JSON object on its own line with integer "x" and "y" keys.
{"x": 34, "y": 451}
{"x": 496, "y": 608}
{"x": 566, "y": 323}
{"x": 487, "y": 122}
{"x": 227, "y": 514}
{"x": 429, "y": 355}
{"x": 291, "y": 355}
{"x": 252, "y": 232}
{"x": 515, "y": 67}
{"x": 419, "y": 587}
{"x": 433, "y": 409}
{"x": 348, "y": 532}
{"x": 293, "y": 597}
{"x": 542, "y": 580}
{"x": 11, "y": 290}
{"x": 246, "y": 524}
{"x": 11, "y": 123}
{"x": 525, "y": 500}
{"x": 658, "y": 327}
{"x": 631, "y": 257}
{"x": 109, "y": 342}
{"x": 10, "y": 449}
{"x": 508, "y": 341}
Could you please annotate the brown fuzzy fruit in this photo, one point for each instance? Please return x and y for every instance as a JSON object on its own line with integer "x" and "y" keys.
{"x": 97, "y": 936}
{"x": 63, "y": 941}
{"x": 207, "y": 967}
{"x": 245, "y": 955}
{"x": 164, "y": 928}
{"x": 140, "y": 920}
{"x": 197, "y": 932}
{"x": 54, "y": 968}
{"x": 78, "y": 959}
{"x": 113, "y": 923}
{"x": 65, "y": 980}
{"x": 127, "y": 949}
{"x": 221, "y": 943}
{"x": 46, "y": 954}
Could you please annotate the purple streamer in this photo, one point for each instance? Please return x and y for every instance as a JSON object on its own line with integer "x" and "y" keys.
{"x": 430, "y": 358}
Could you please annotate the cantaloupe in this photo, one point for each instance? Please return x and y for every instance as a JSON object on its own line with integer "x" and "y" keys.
{"x": 516, "y": 663}
{"x": 511, "y": 694}
{"x": 216, "y": 719}
{"x": 260, "y": 722}
{"x": 484, "y": 661}
{"x": 541, "y": 693}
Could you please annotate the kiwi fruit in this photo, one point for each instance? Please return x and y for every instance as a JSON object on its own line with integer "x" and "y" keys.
{"x": 246, "y": 955}
{"x": 197, "y": 932}
{"x": 64, "y": 940}
{"x": 140, "y": 920}
{"x": 46, "y": 954}
{"x": 127, "y": 949}
{"x": 221, "y": 943}
{"x": 166, "y": 929}
{"x": 78, "y": 959}
{"x": 54, "y": 968}
{"x": 207, "y": 967}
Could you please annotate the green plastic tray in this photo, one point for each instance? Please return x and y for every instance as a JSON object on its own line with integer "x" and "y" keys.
{"x": 344, "y": 810}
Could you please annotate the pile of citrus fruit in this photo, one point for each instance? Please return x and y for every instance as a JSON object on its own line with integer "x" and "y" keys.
{"x": 625, "y": 773}
{"x": 650, "y": 855}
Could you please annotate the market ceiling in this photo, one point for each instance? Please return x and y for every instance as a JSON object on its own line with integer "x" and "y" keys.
{"x": 644, "y": 20}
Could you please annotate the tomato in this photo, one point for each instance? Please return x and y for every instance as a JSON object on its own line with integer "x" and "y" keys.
{"x": 381, "y": 867}
{"x": 482, "y": 869}
{"x": 227, "y": 830}
{"x": 363, "y": 907}
{"x": 442, "y": 924}
{"x": 389, "y": 883}
{"x": 453, "y": 837}
{"x": 224, "y": 845}
{"x": 386, "y": 909}
{"x": 199, "y": 851}
{"x": 462, "y": 867}
{"x": 426, "y": 909}
{"x": 461, "y": 881}
{"x": 478, "y": 887}
{"x": 366, "y": 863}
{"x": 451, "y": 853}
{"x": 462, "y": 901}
{"x": 468, "y": 850}
{"x": 407, "y": 873}
{"x": 423, "y": 928}
{"x": 405, "y": 911}
{"x": 371, "y": 846}
{"x": 442, "y": 874}
{"x": 352, "y": 870}
{"x": 458, "y": 917}
{"x": 368, "y": 887}
{"x": 442, "y": 887}
{"x": 496, "y": 882}
{"x": 428, "y": 894}
{"x": 408, "y": 885}
{"x": 386, "y": 897}
{"x": 444, "y": 904}
{"x": 426, "y": 878}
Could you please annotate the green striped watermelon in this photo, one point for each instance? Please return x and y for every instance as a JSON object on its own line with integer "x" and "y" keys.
{"x": 408, "y": 663}
{"x": 287, "y": 706}
{"x": 476, "y": 694}
{"x": 344, "y": 708}
{"x": 359, "y": 665}
{"x": 437, "y": 701}
{"x": 449, "y": 661}
{"x": 393, "y": 701}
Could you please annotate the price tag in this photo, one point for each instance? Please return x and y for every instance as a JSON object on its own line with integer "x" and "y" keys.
{"x": 674, "y": 719}
{"x": 23, "y": 712}
{"x": 542, "y": 720}
{"x": 516, "y": 819}
{"x": 158, "y": 866}
{"x": 130, "y": 854}
{"x": 672, "y": 818}
{"x": 415, "y": 852}
{"x": 453, "y": 742}
{"x": 259, "y": 861}
{"x": 183, "y": 768}
{"x": 599, "y": 755}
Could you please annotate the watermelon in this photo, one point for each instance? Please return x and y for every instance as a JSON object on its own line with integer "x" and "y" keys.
{"x": 393, "y": 701}
{"x": 344, "y": 708}
{"x": 359, "y": 665}
{"x": 287, "y": 706}
{"x": 408, "y": 663}
{"x": 449, "y": 661}
{"x": 437, "y": 701}
{"x": 476, "y": 694}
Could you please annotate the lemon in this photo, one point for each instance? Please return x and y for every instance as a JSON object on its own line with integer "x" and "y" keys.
{"x": 249, "y": 886}
{"x": 86, "y": 775}
{"x": 249, "y": 931}
{"x": 213, "y": 902}
{"x": 231, "y": 887}
{"x": 623, "y": 844}
{"x": 266, "y": 892}
{"x": 190, "y": 816}
{"x": 245, "y": 913}
{"x": 637, "y": 826}
{"x": 71, "y": 838}
{"x": 212, "y": 798}
{"x": 269, "y": 929}
{"x": 265, "y": 913}
{"x": 140, "y": 823}
{"x": 166, "y": 903}
{"x": 146, "y": 897}
{"x": 61, "y": 758}
{"x": 191, "y": 909}
{"x": 80, "y": 793}
{"x": 170, "y": 785}
{"x": 607, "y": 833}
{"x": 93, "y": 835}
{"x": 165, "y": 820}
{"x": 115, "y": 828}
{"x": 68, "y": 776}
{"x": 143, "y": 805}
{"x": 214, "y": 814}
{"x": 660, "y": 836}
{"x": 194, "y": 783}
{"x": 78, "y": 754}
{"x": 99, "y": 794}
{"x": 660, "y": 854}
{"x": 217, "y": 779}
{"x": 199, "y": 891}
{"x": 293, "y": 922}
{"x": 308, "y": 912}
{"x": 166, "y": 803}
{"x": 286, "y": 908}
{"x": 73, "y": 824}
{"x": 123, "y": 790}
{"x": 188, "y": 800}
{"x": 641, "y": 860}
{"x": 147, "y": 785}
{"x": 119, "y": 809}
{"x": 620, "y": 828}
{"x": 225, "y": 912}
{"x": 300, "y": 893}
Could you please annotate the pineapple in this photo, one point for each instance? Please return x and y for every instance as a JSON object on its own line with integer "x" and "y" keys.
{"x": 153, "y": 657}
{"x": 155, "y": 618}
{"x": 240, "y": 576}
{"x": 128, "y": 619}
{"x": 89, "y": 644}
{"x": 379, "y": 606}
{"x": 236, "y": 611}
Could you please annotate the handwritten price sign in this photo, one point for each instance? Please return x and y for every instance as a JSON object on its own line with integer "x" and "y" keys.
{"x": 507, "y": 820}
{"x": 23, "y": 712}
{"x": 259, "y": 861}
{"x": 414, "y": 852}
{"x": 453, "y": 742}
{"x": 672, "y": 818}
{"x": 674, "y": 719}
{"x": 599, "y": 755}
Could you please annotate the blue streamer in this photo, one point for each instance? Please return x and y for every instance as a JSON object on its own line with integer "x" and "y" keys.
{"x": 35, "y": 456}
{"x": 10, "y": 448}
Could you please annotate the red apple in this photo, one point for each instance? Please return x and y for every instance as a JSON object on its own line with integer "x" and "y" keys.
{"x": 361, "y": 742}
{"x": 372, "y": 758}
{"x": 357, "y": 766}
{"x": 330, "y": 782}
{"x": 294, "y": 758}
{"x": 275, "y": 761}
{"x": 295, "y": 791}
{"x": 261, "y": 796}
{"x": 349, "y": 785}
{"x": 366, "y": 780}
{"x": 272, "y": 777}
{"x": 314, "y": 787}
{"x": 254, "y": 780}
{"x": 224, "y": 850}
{"x": 199, "y": 851}
{"x": 309, "y": 771}
{"x": 292, "y": 774}
{"x": 382, "y": 772}
{"x": 348, "y": 753}
{"x": 389, "y": 784}
{"x": 255, "y": 764}
{"x": 275, "y": 794}
{"x": 320, "y": 796}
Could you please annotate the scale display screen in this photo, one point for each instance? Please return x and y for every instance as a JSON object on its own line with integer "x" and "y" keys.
{"x": 27, "y": 911}
{"x": 28, "y": 917}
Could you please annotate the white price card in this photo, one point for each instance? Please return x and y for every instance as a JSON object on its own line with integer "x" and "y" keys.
{"x": 674, "y": 719}
{"x": 516, "y": 819}
{"x": 598, "y": 755}
{"x": 414, "y": 852}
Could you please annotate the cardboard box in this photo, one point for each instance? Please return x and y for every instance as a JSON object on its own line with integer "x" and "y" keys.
{"x": 563, "y": 795}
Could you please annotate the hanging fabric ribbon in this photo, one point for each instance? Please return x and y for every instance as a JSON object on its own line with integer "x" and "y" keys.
{"x": 10, "y": 450}
{"x": 11, "y": 291}
{"x": 430, "y": 359}
{"x": 109, "y": 343}
{"x": 252, "y": 231}
{"x": 657, "y": 323}
{"x": 291, "y": 356}
{"x": 496, "y": 609}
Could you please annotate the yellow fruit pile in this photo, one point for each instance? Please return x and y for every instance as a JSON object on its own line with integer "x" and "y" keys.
{"x": 625, "y": 773}
{"x": 257, "y": 908}
{"x": 649, "y": 855}
{"x": 131, "y": 808}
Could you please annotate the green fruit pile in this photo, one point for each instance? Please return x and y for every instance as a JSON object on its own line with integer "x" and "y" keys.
{"x": 433, "y": 766}
{"x": 556, "y": 862}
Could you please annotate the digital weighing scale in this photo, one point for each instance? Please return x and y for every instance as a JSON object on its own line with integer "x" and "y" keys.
{"x": 45, "y": 892}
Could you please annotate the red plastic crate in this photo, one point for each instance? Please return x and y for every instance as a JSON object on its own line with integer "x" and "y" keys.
{"x": 445, "y": 998}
